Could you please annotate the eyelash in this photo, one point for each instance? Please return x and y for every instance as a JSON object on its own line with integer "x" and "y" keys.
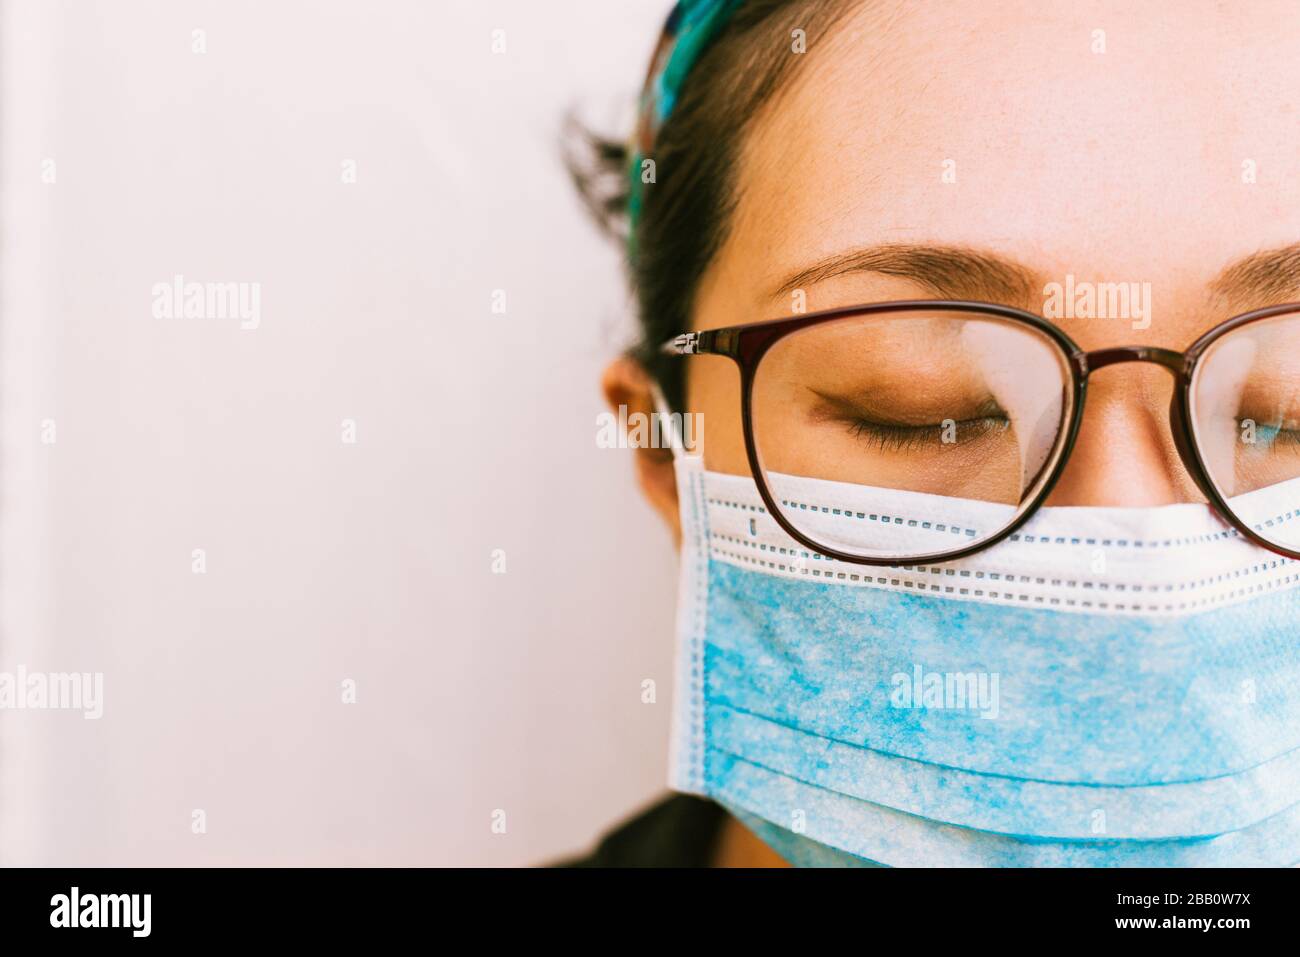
{"x": 891, "y": 437}
{"x": 1275, "y": 437}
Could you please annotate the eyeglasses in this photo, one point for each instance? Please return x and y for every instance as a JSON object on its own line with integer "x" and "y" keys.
{"x": 970, "y": 400}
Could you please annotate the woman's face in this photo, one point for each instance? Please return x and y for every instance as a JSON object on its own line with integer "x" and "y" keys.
{"x": 1047, "y": 144}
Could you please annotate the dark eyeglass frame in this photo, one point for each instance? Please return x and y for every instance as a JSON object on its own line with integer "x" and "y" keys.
{"x": 747, "y": 344}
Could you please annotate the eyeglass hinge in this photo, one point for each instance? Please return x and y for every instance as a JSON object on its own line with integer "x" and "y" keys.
{"x": 687, "y": 343}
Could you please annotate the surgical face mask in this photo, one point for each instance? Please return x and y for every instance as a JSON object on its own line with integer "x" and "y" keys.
{"x": 1109, "y": 686}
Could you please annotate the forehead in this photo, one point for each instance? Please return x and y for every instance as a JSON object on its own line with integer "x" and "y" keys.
{"x": 1115, "y": 141}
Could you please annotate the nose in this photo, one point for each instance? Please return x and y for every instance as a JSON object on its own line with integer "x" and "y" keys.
{"x": 1126, "y": 454}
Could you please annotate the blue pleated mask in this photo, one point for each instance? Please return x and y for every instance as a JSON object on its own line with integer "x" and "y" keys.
{"x": 1106, "y": 687}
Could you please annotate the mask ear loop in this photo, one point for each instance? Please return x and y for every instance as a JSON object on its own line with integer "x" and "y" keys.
{"x": 670, "y": 425}
{"x": 685, "y": 430}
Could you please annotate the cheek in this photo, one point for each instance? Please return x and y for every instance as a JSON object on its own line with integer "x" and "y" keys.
{"x": 713, "y": 389}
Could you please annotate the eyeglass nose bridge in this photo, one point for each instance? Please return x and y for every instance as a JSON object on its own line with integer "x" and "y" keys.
{"x": 1088, "y": 362}
{"x": 1179, "y": 365}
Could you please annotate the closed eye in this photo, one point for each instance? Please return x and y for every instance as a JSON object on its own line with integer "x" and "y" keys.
{"x": 897, "y": 437}
{"x": 1253, "y": 432}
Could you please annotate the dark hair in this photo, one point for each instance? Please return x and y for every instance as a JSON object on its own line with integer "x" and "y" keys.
{"x": 686, "y": 213}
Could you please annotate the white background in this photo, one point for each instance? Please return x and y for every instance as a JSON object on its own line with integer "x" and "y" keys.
{"x": 325, "y": 561}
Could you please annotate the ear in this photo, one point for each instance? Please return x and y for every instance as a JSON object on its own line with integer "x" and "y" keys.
{"x": 626, "y": 383}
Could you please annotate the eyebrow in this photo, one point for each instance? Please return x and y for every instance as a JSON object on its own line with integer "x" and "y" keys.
{"x": 1261, "y": 279}
{"x": 948, "y": 272}
{"x": 1266, "y": 278}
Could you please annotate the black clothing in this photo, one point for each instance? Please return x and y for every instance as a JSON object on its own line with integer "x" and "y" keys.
{"x": 680, "y": 831}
